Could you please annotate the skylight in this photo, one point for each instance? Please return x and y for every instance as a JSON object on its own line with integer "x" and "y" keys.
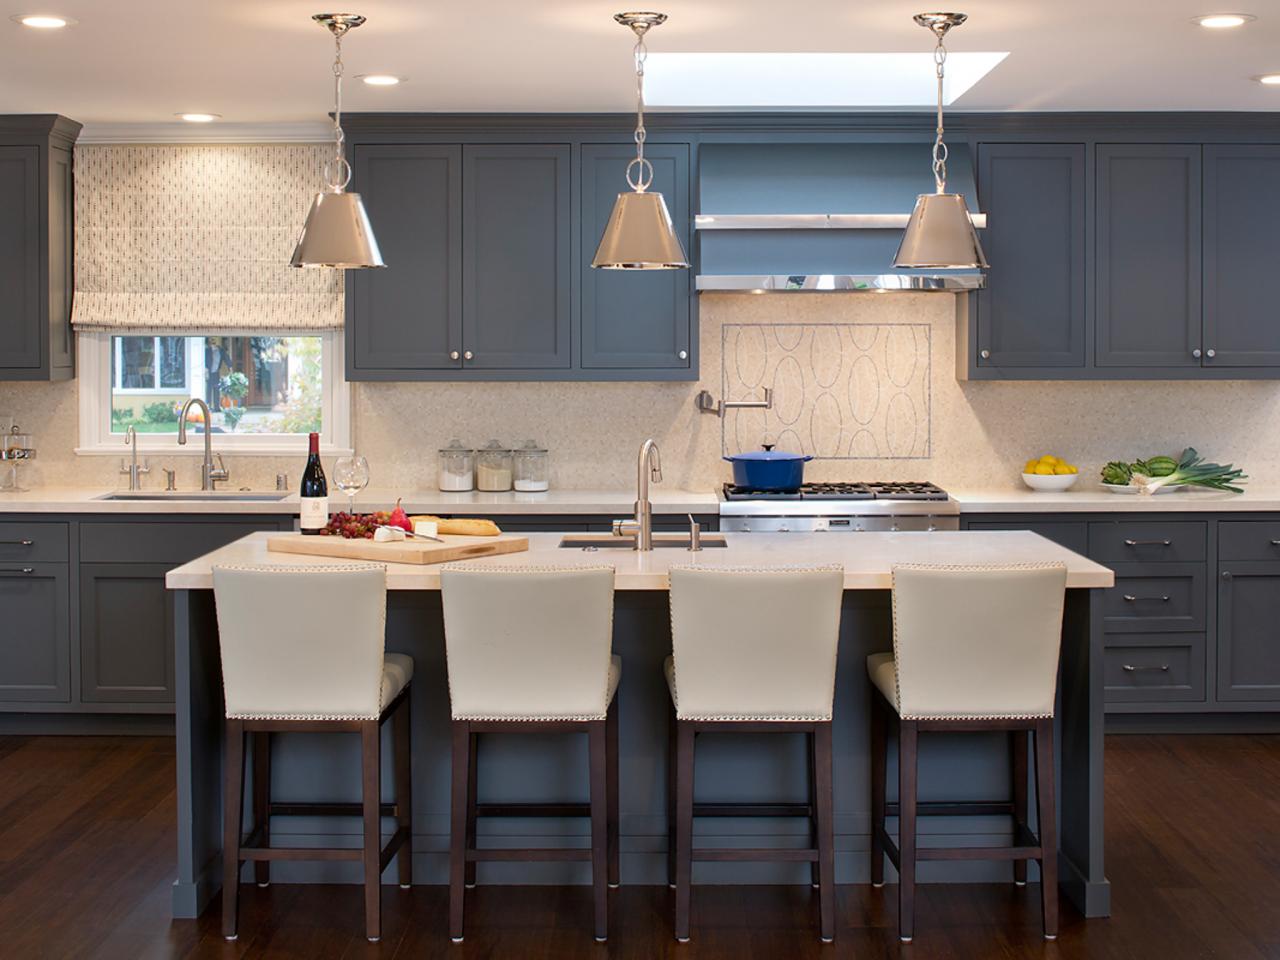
{"x": 809, "y": 80}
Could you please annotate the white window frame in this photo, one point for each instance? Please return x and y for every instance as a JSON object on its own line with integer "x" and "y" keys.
{"x": 96, "y": 370}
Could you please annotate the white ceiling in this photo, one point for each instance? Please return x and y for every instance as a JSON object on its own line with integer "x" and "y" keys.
{"x": 264, "y": 61}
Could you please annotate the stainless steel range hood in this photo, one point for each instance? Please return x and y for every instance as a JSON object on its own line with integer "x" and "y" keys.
{"x": 819, "y": 218}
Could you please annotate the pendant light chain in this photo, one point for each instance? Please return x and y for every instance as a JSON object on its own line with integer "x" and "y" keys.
{"x": 339, "y": 175}
{"x": 640, "y": 170}
{"x": 939, "y": 147}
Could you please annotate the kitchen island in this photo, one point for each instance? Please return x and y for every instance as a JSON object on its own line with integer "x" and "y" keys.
{"x": 960, "y": 767}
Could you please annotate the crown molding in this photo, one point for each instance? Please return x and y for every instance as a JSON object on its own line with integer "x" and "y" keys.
{"x": 177, "y": 131}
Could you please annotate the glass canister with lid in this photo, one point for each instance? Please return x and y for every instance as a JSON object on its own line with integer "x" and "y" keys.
{"x": 532, "y": 469}
{"x": 456, "y": 467}
{"x": 493, "y": 468}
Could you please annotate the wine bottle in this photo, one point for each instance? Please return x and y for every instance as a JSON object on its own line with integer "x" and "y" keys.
{"x": 315, "y": 491}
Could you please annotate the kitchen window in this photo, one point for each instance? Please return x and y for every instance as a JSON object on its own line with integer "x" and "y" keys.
{"x": 265, "y": 393}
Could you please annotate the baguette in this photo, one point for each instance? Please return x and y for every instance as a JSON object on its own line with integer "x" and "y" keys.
{"x": 461, "y": 527}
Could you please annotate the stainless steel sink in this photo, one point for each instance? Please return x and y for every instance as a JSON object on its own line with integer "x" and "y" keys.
{"x": 230, "y": 496}
{"x": 609, "y": 542}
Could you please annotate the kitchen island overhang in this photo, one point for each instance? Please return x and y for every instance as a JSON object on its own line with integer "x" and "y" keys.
{"x": 732, "y": 767}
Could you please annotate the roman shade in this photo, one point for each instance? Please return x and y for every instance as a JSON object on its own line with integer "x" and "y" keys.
{"x": 198, "y": 237}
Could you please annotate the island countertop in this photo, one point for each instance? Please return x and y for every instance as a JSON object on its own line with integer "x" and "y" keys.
{"x": 867, "y": 558}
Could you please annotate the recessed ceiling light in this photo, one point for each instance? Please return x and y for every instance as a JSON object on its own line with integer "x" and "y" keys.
{"x": 1224, "y": 21}
{"x": 42, "y": 21}
{"x": 381, "y": 79}
{"x": 1270, "y": 79}
{"x": 199, "y": 117}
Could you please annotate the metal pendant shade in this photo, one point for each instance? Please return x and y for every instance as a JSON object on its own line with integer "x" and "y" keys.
{"x": 337, "y": 234}
{"x": 940, "y": 235}
{"x": 640, "y": 236}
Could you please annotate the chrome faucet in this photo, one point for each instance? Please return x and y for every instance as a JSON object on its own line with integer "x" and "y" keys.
{"x": 648, "y": 467}
{"x": 209, "y": 474}
{"x": 133, "y": 470}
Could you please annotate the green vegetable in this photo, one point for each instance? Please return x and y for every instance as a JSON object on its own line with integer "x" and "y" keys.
{"x": 1191, "y": 470}
{"x": 1117, "y": 473}
{"x": 1156, "y": 467}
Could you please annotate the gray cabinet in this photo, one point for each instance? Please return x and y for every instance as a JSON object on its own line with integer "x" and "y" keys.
{"x": 36, "y": 260}
{"x": 1241, "y": 211}
{"x": 408, "y": 316}
{"x": 1032, "y": 311}
{"x": 1148, "y": 261}
{"x": 517, "y": 270}
{"x": 126, "y": 653}
{"x": 1248, "y": 641}
{"x": 634, "y": 319}
{"x": 35, "y": 655}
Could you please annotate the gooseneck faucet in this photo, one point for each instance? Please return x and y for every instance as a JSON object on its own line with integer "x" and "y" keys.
{"x": 648, "y": 467}
{"x": 133, "y": 471}
{"x": 209, "y": 474}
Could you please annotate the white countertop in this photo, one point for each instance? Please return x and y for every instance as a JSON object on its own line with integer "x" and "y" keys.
{"x": 1091, "y": 498}
{"x": 867, "y": 558}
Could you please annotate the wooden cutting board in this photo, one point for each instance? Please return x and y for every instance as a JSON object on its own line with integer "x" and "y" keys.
{"x": 403, "y": 551}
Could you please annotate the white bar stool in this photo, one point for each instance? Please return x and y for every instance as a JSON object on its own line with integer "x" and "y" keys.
{"x": 754, "y": 651}
{"x": 303, "y": 651}
{"x": 975, "y": 648}
{"x": 529, "y": 650}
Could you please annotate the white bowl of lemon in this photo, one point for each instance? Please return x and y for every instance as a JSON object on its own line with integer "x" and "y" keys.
{"x": 1049, "y": 473}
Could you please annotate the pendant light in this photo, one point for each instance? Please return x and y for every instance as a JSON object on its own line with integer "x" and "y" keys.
{"x": 639, "y": 234}
{"x": 337, "y": 233}
{"x": 940, "y": 233}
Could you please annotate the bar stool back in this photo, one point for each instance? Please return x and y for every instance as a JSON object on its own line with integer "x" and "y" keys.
{"x": 974, "y": 648}
{"x": 753, "y": 651}
{"x": 303, "y": 650}
{"x": 529, "y": 650}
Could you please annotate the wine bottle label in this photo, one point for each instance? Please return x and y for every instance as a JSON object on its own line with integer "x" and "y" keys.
{"x": 315, "y": 512}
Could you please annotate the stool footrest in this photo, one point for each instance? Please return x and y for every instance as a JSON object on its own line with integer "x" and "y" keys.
{"x": 300, "y": 853}
{"x": 724, "y": 854}
{"x": 532, "y": 854}
{"x": 752, "y": 810}
{"x": 327, "y": 809}
{"x": 533, "y": 809}
{"x": 1025, "y": 846}
{"x": 957, "y": 808}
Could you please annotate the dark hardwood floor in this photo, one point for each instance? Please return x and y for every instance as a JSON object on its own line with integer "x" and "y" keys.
{"x": 1193, "y": 833}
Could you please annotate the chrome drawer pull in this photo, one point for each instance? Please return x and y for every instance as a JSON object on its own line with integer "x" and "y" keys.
{"x": 1275, "y": 543}
{"x": 19, "y": 570}
{"x": 1130, "y": 598}
{"x": 1130, "y": 668}
{"x": 1147, "y": 543}
{"x": 32, "y": 543}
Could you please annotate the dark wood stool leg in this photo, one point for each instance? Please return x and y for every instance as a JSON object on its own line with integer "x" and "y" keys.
{"x": 879, "y": 749}
{"x": 826, "y": 831}
{"x": 672, "y": 764}
{"x": 371, "y": 799}
{"x": 1021, "y": 810}
{"x": 598, "y": 751}
{"x": 907, "y": 740}
{"x": 232, "y": 805}
{"x": 811, "y": 756}
{"x": 684, "y": 826}
{"x": 473, "y": 794}
{"x": 1048, "y": 826}
{"x": 458, "y": 831}
{"x": 400, "y": 732}
{"x": 611, "y": 759}
{"x": 262, "y": 801}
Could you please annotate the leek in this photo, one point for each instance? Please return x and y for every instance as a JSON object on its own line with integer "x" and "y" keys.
{"x": 1191, "y": 471}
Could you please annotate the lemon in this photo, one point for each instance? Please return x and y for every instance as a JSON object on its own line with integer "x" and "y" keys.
{"x": 1073, "y": 468}
{"x": 1043, "y": 469}
{"x": 1030, "y": 466}
{"x": 1049, "y": 458}
{"x": 1062, "y": 470}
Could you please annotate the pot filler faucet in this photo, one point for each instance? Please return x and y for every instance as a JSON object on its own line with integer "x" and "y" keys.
{"x": 648, "y": 467}
{"x": 209, "y": 474}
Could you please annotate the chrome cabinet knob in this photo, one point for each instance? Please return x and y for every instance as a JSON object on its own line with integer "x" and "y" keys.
{"x": 1196, "y": 353}
{"x": 453, "y": 354}
{"x": 468, "y": 355}
{"x": 985, "y": 354}
{"x": 1226, "y": 574}
{"x": 683, "y": 354}
{"x": 1211, "y": 354}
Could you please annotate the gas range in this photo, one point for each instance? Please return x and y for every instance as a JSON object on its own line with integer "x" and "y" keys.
{"x": 839, "y": 507}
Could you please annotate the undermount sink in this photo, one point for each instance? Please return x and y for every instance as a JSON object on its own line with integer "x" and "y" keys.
{"x": 660, "y": 540}
{"x": 188, "y": 495}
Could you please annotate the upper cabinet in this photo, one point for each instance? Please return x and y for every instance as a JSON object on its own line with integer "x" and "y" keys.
{"x": 36, "y": 253}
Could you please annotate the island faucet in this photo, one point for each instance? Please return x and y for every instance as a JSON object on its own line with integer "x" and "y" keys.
{"x": 209, "y": 474}
{"x": 648, "y": 467}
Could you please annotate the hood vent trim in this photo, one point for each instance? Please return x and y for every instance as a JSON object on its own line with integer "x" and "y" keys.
{"x": 840, "y": 283}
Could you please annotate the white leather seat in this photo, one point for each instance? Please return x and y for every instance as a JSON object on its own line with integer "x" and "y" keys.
{"x": 529, "y": 643}
{"x": 306, "y": 643}
{"x": 973, "y": 642}
{"x": 750, "y": 644}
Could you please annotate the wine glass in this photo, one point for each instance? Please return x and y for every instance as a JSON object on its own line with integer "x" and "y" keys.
{"x": 351, "y": 475}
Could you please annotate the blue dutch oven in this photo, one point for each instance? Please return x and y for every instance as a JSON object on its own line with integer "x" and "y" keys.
{"x": 769, "y": 469}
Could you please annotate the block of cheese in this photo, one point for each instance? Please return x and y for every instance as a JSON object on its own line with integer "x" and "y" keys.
{"x": 460, "y": 527}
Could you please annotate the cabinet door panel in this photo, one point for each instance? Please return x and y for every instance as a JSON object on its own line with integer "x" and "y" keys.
{"x": 1241, "y": 210}
{"x": 1148, "y": 255}
{"x": 35, "y": 653}
{"x": 517, "y": 268}
{"x": 1032, "y": 311}
{"x": 21, "y": 324}
{"x": 1248, "y": 642}
{"x": 634, "y": 318}
{"x": 408, "y": 316}
{"x": 126, "y": 654}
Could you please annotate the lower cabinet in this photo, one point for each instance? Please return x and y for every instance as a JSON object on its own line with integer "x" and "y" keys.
{"x": 126, "y": 654}
{"x": 1248, "y": 642}
{"x": 35, "y": 655}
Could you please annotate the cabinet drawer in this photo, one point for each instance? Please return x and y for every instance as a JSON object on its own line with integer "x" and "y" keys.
{"x": 1151, "y": 597}
{"x": 1147, "y": 540}
{"x": 162, "y": 541}
{"x": 1155, "y": 668}
{"x": 1249, "y": 540}
{"x": 33, "y": 542}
